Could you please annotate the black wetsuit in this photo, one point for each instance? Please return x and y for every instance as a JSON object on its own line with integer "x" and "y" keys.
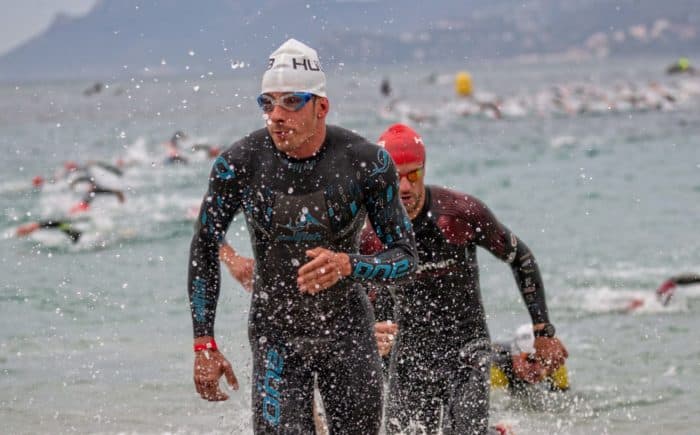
{"x": 290, "y": 206}
{"x": 686, "y": 279}
{"x": 83, "y": 174}
{"x": 65, "y": 227}
{"x": 174, "y": 155}
{"x": 440, "y": 362}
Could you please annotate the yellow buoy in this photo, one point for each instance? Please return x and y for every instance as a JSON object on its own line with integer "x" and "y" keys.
{"x": 463, "y": 84}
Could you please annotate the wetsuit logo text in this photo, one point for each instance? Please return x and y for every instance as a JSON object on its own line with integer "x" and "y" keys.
{"x": 436, "y": 266}
{"x": 299, "y": 231}
{"x": 385, "y": 271}
{"x": 272, "y": 409}
{"x": 306, "y": 64}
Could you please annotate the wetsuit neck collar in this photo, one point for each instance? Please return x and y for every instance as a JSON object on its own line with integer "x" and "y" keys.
{"x": 304, "y": 165}
{"x": 295, "y": 160}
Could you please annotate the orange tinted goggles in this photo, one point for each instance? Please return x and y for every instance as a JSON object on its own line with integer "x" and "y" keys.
{"x": 413, "y": 175}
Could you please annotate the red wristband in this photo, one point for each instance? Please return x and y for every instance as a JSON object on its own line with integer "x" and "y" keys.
{"x": 211, "y": 345}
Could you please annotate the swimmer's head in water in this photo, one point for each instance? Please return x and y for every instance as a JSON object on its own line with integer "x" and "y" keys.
{"x": 403, "y": 144}
{"x": 178, "y": 136}
{"x": 70, "y": 166}
{"x": 294, "y": 67}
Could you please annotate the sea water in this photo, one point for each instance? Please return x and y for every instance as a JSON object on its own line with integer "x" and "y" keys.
{"x": 96, "y": 336}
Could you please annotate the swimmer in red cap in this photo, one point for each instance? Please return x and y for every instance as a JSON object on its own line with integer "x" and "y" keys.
{"x": 37, "y": 181}
{"x": 65, "y": 226}
{"x": 439, "y": 378}
{"x": 406, "y": 148}
{"x": 666, "y": 290}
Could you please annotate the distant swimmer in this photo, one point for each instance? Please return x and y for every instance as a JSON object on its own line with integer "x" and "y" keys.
{"x": 212, "y": 151}
{"x": 385, "y": 87}
{"x": 682, "y": 66}
{"x": 85, "y": 175}
{"x": 96, "y": 88}
{"x": 82, "y": 171}
{"x": 75, "y": 173}
{"x": 92, "y": 193}
{"x": 37, "y": 181}
{"x": 68, "y": 170}
{"x": 64, "y": 226}
{"x": 665, "y": 291}
{"x": 174, "y": 154}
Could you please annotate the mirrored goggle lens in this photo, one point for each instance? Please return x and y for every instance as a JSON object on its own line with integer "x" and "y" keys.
{"x": 291, "y": 102}
{"x": 412, "y": 176}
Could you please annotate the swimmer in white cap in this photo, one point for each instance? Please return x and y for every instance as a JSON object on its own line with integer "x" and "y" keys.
{"x": 306, "y": 189}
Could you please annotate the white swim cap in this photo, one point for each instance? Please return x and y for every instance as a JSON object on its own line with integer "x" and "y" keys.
{"x": 294, "y": 67}
{"x": 524, "y": 340}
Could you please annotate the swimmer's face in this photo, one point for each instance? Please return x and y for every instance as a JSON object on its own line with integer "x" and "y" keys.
{"x": 296, "y": 133}
{"x": 412, "y": 187}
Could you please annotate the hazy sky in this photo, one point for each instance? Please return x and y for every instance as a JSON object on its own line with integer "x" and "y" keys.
{"x": 22, "y": 19}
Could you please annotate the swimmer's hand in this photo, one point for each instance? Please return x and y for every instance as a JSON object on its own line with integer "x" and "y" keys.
{"x": 209, "y": 366}
{"x": 550, "y": 352}
{"x": 385, "y": 333}
{"x": 324, "y": 270}
{"x": 241, "y": 268}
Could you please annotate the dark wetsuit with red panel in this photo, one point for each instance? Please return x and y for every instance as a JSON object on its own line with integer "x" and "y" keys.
{"x": 291, "y": 206}
{"x": 441, "y": 357}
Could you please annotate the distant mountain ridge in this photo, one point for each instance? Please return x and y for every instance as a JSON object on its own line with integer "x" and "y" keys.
{"x": 144, "y": 37}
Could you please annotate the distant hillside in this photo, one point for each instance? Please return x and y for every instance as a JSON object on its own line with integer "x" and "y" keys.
{"x": 145, "y": 37}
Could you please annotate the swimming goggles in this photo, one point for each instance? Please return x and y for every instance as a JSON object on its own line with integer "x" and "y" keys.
{"x": 412, "y": 176}
{"x": 292, "y": 102}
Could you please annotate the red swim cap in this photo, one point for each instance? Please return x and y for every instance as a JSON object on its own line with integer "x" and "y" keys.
{"x": 70, "y": 166}
{"x": 403, "y": 144}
